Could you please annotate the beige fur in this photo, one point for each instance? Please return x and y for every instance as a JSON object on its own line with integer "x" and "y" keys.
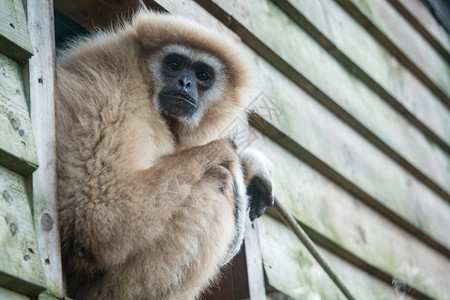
{"x": 147, "y": 209}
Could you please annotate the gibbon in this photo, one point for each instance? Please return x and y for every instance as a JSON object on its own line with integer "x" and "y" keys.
{"x": 152, "y": 202}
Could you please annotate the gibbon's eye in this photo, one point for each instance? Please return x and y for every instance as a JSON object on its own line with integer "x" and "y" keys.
{"x": 203, "y": 76}
{"x": 173, "y": 65}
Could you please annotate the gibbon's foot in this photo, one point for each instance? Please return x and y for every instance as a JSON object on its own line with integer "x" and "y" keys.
{"x": 261, "y": 196}
{"x": 258, "y": 173}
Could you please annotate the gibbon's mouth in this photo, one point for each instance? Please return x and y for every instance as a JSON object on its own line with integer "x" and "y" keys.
{"x": 177, "y": 104}
{"x": 180, "y": 95}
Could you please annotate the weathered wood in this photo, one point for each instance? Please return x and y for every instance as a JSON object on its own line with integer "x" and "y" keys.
{"x": 239, "y": 276}
{"x": 352, "y": 230}
{"x": 305, "y": 279}
{"x": 362, "y": 55}
{"x": 233, "y": 282}
{"x": 20, "y": 267}
{"x": 389, "y": 27}
{"x": 243, "y": 278}
{"x": 17, "y": 150}
{"x": 390, "y": 142}
{"x": 91, "y": 14}
{"x": 374, "y": 180}
{"x": 10, "y": 295}
{"x": 14, "y": 38}
{"x": 356, "y": 169}
{"x": 48, "y": 296}
{"x": 351, "y": 100}
{"x": 423, "y": 21}
{"x": 254, "y": 268}
{"x": 301, "y": 114}
{"x": 344, "y": 156}
{"x": 41, "y": 82}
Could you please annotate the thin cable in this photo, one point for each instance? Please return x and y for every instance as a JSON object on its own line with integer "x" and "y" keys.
{"x": 309, "y": 244}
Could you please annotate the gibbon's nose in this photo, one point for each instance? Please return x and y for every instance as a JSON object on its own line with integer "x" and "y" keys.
{"x": 185, "y": 81}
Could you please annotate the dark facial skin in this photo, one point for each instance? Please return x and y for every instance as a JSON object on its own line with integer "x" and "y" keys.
{"x": 186, "y": 81}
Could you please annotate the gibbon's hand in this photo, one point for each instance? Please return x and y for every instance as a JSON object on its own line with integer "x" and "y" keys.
{"x": 221, "y": 171}
{"x": 258, "y": 174}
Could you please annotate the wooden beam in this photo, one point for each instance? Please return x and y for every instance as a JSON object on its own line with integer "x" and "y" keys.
{"x": 254, "y": 269}
{"x": 370, "y": 62}
{"x": 391, "y": 30}
{"x": 292, "y": 270}
{"x": 347, "y": 97}
{"x": 17, "y": 147}
{"x": 337, "y": 221}
{"x": 44, "y": 181}
{"x": 20, "y": 266}
{"x": 423, "y": 21}
{"x": 99, "y": 14}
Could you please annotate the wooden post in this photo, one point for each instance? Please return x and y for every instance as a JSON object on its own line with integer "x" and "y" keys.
{"x": 255, "y": 272}
{"x": 41, "y": 81}
{"x": 244, "y": 277}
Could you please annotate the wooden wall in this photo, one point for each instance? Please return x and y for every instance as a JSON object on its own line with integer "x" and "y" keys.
{"x": 356, "y": 121}
{"x": 361, "y": 148}
{"x": 30, "y": 260}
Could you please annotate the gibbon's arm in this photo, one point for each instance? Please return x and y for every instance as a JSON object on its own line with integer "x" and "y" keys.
{"x": 165, "y": 226}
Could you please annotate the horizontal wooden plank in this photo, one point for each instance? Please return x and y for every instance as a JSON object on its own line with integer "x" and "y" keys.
{"x": 351, "y": 229}
{"x": 392, "y": 30}
{"x": 20, "y": 266}
{"x": 10, "y": 295}
{"x": 415, "y": 12}
{"x": 14, "y": 39}
{"x": 17, "y": 150}
{"x": 368, "y": 60}
{"x": 349, "y": 98}
{"x": 92, "y": 14}
{"x": 291, "y": 269}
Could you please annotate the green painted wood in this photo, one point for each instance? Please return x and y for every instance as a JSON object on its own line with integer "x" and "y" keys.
{"x": 369, "y": 240}
{"x": 292, "y": 270}
{"x": 363, "y": 55}
{"x": 373, "y": 176}
{"x": 49, "y": 296}
{"x": 392, "y": 30}
{"x": 332, "y": 147}
{"x": 313, "y": 127}
{"x": 17, "y": 148}
{"x": 10, "y": 295}
{"x": 424, "y": 22}
{"x": 20, "y": 266}
{"x": 386, "y": 128}
{"x": 14, "y": 39}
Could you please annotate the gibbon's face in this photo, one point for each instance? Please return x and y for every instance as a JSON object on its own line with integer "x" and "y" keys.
{"x": 187, "y": 81}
